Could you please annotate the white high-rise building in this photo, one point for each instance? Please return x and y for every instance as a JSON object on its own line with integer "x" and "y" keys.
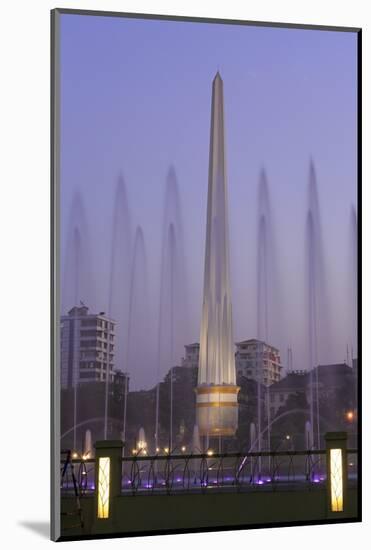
{"x": 259, "y": 361}
{"x": 216, "y": 392}
{"x": 87, "y": 347}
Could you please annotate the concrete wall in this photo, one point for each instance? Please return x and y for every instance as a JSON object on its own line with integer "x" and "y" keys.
{"x": 134, "y": 514}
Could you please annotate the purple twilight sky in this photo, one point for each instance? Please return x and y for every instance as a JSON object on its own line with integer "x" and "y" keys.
{"x": 135, "y": 99}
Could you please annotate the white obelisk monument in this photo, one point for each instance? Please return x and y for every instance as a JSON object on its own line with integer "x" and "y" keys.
{"x": 216, "y": 392}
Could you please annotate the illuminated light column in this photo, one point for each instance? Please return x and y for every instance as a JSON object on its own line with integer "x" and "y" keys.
{"x": 337, "y": 473}
{"x": 104, "y": 470}
{"x": 216, "y": 392}
{"x": 108, "y": 480}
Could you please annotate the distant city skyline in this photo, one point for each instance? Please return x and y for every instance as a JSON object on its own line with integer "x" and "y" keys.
{"x": 135, "y": 101}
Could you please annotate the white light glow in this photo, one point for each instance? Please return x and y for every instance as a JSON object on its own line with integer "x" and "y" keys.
{"x": 336, "y": 480}
{"x": 103, "y": 487}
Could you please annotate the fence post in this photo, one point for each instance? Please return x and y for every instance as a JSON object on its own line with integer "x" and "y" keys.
{"x": 108, "y": 467}
{"x": 337, "y": 474}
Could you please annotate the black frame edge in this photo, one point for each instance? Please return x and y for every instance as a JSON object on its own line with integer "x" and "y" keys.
{"x": 197, "y": 19}
{"x": 359, "y": 267}
{"x": 55, "y": 532}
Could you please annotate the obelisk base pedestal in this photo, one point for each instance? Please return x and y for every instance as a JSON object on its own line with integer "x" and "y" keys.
{"x": 217, "y": 410}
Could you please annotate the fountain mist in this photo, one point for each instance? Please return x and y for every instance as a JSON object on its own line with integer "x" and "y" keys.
{"x": 118, "y": 289}
{"x": 269, "y": 312}
{"x": 137, "y": 352}
{"x": 173, "y": 322}
{"x": 77, "y": 284}
{"x": 318, "y": 307}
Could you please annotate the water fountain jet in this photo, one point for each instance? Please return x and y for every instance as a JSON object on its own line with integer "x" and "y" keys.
{"x": 118, "y": 286}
